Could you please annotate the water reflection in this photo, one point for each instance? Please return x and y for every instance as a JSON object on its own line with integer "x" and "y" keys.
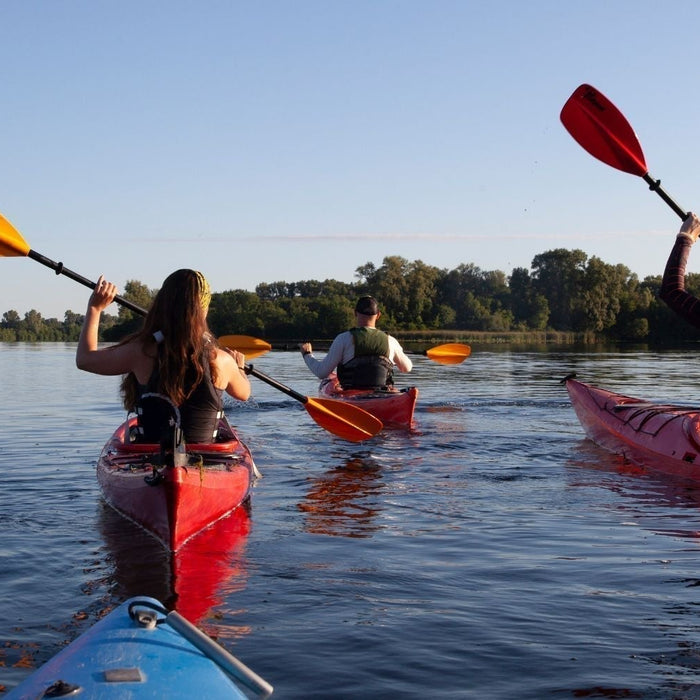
{"x": 344, "y": 501}
{"x": 193, "y": 580}
{"x": 656, "y": 501}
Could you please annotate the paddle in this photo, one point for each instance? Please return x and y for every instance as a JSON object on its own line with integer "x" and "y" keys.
{"x": 13, "y": 245}
{"x": 341, "y": 419}
{"x": 602, "y": 130}
{"x": 249, "y": 346}
{"x": 449, "y": 353}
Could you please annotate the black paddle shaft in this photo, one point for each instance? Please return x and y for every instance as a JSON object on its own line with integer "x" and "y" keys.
{"x": 249, "y": 369}
{"x": 59, "y": 269}
{"x": 655, "y": 186}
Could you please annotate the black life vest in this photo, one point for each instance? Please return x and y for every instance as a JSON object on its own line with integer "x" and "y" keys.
{"x": 370, "y": 368}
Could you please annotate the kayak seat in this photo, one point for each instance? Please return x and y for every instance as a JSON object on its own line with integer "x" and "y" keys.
{"x": 226, "y": 441}
{"x": 158, "y": 421}
{"x": 156, "y": 416}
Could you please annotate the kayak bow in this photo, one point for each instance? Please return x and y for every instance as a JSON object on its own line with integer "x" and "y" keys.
{"x": 662, "y": 437}
{"x": 138, "y": 651}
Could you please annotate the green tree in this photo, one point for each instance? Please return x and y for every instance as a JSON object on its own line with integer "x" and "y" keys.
{"x": 420, "y": 303}
{"x": 454, "y": 287}
{"x": 475, "y": 296}
{"x": 138, "y": 293}
{"x": 32, "y": 324}
{"x": 389, "y": 285}
{"x": 530, "y": 309}
{"x": 328, "y": 288}
{"x": 445, "y": 317}
{"x": 237, "y": 312}
{"x": 558, "y": 276}
{"x": 11, "y": 320}
{"x": 276, "y": 290}
{"x": 72, "y": 323}
{"x": 636, "y": 302}
{"x": 333, "y": 314}
{"x": 602, "y": 290}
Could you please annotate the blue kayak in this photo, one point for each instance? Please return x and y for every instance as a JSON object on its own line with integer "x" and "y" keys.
{"x": 140, "y": 650}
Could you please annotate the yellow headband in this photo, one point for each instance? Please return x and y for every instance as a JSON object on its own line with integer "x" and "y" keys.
{"x": 204, "y": 290}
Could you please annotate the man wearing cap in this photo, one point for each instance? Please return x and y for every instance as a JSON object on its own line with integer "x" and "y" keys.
{"x": 364, "y": 356}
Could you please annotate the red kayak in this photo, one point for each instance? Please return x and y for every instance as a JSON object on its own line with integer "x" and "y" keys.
{"x": 662, "y": 437}
{"x": 174, "y": 503}
{"x": 394, "y": 407}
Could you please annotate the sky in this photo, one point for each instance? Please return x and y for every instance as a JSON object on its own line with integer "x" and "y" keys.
{"x": 299, "y": 140}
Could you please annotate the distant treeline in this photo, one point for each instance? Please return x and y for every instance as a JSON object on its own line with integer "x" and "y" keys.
{"x": 564, "y": 291}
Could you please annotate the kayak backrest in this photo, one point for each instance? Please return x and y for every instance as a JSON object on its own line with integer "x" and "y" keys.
{"x": 158, "y": 421}
{"x": 156, "y": 417}
{"x": 228, "y": 442}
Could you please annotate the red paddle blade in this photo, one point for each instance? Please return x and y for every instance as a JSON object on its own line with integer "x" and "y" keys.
{"x": 602, "y": 130}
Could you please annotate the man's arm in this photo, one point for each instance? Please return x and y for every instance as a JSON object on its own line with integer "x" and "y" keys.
{"x": 340, "y": 351}
{"x": 398, "y": 356}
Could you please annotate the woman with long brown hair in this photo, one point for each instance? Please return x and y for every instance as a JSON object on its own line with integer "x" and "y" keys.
{"x": 174, "y": 354}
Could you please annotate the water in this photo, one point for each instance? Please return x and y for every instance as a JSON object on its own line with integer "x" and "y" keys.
{"x": 493, "y": 553}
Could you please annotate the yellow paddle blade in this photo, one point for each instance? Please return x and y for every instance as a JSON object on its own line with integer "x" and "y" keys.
{"x": 449, "y": 354}
{"x": 12, "y": 245}
{"x": 249, "y": 346}
{"x": 343, "y": 419}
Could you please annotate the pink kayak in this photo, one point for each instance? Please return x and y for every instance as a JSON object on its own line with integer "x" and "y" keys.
{"x": 662, "y": 437}
{"x": 394, "y": 407}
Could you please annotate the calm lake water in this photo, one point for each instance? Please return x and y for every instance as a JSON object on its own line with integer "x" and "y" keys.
{"x": 492, "y": 553}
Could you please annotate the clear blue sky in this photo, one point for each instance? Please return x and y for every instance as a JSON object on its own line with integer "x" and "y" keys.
{"x": 280, "y": 140}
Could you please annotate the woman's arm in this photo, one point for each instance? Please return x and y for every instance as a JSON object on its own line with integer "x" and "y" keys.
{"x": 230, "y": 373}
{"x": 118, "y": 359}
{"x": 673, "y": 291}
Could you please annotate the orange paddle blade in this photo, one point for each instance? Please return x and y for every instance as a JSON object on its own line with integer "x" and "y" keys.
{"x": 450, "y": 353}
{"x": 12, "y": 245}
{"x": 343, "y": 419}
{"x": 249, "y": 346}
